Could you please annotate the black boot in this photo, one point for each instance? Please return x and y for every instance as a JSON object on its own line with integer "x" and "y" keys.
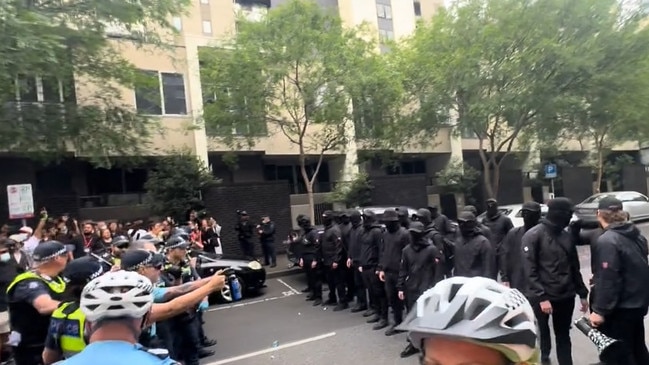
{"x": 373, "y": 319}
{"x": 380, "y": 325}
{"x": 203, "y": 353}
{"x": 368, "y": 313}
{"x": 408, "y": 351}
{"x": 341, "y": 307}
{"x": 359, "y": 308}
{"x": 317, "y": 302}
{"x": 392, "y": 331}
{"x": 208, "y": 342}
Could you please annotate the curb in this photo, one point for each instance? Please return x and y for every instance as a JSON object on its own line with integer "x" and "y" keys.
{"x": 283, "y": 273}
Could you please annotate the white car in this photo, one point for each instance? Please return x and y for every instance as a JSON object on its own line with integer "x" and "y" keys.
{"x": 634, "y": 203}
{"x": 515, "y": 213}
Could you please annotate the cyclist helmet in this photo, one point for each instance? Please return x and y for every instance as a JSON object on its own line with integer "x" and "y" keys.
{"x": 117, "y": 294}
{"x": 477, "y": 310}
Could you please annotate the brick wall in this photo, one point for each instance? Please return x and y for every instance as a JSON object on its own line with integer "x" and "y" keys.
{"x": 406, "y": 190}
{"x": 270, "y": 198}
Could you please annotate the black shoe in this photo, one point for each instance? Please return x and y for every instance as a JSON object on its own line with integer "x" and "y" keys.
{"x": 374, "y": 318}
{"x": 408, "y": 351}
{"x": 306, "y": 290}
{"x": 203, "y": 353}
{"x": 392, "y": 331}
{"x": 341, "y": 307}
{"x": 545, "y": 360}
{"x": 359, "y": 308}
{"x": 330, "y": 302}
{"x": 368, "y": 313}
{"x": 208, "y": 342}
{"x": 310, "y": 298}
{"x": 380, "y": 325}
{"x": 317, "y": 302}
{"x": 273, "y": 265}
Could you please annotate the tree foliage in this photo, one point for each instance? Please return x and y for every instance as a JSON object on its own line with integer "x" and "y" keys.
{"x": 174, "y": 186}
{"x": 355, "y": 193}
{"x": 73, "y": 43}
{"x": 297, "y": 73}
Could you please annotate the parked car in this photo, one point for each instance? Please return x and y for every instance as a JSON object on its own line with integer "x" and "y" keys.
{"x": 515, "y": 213}
{"x": 250, "y": 273}
{"x": 378, "y": 210}
{"x": 634, "y": 203}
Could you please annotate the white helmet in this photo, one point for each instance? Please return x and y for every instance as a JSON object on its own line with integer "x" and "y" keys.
{"x": 117, "y": 294}
{"x": 478, "y": 310}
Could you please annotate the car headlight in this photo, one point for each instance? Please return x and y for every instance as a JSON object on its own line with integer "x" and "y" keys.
{"x": 254, "y": 265}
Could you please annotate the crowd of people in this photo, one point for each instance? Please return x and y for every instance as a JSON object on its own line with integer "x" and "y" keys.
{"x": 446, "y": 279}
{"x": 106, "y": 293}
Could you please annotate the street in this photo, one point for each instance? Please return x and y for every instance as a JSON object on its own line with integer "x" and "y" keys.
{"x": 280, "y": 327}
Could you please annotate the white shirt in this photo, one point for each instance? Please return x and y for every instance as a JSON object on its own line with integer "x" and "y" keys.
{"x": 30, "y": 244}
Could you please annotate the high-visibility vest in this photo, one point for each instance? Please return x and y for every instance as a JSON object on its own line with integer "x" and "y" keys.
{"x": 67, "y": 326}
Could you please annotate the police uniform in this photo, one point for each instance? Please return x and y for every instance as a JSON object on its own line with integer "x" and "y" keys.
{"x": 28, "y": 326}
{"x": 66, "y": 335}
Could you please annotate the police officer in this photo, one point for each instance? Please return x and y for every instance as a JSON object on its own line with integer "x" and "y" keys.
{"x": 354, "y": 263}
{"x": 118, "y": 245}
{"x": 331, "y": 245}
{"x": 371, "y": 239}
{"x": 186, "y": 326}
{"x": 395, "y": 239}
{"x": 67, "y": 336}
{"x": 310, "y": 258}
{"x": 32, "y": 298}
{"x": 474, "y": 254}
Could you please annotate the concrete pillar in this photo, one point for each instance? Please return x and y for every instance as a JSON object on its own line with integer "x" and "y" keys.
{"x": 195, "y": 93}
{"x": 350, "y": 165}
{"x": 456, "y": 139}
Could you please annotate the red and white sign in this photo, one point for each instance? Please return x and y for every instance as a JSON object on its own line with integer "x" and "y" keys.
{"x": 21, "y": 201}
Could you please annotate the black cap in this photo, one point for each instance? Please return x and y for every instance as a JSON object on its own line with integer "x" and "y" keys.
{"x": 560, "y": 204}
{"x": 470, "y": 208}
{"x": 491, "y": 201}
{"x": 402, "y": 211}
{"x": 120, "y": 241}
{"x": 80, "y": 271}
{"x": 610, "y": 203}
{"x": 176, "y": 242}
{"x": 423, "y": 213}
{"x": 151, "y": 238}
{"x": 135, "y": 259}
{"x": 416, "y": 227}
{"x": 390, "y": 215}
{"x": 369, "y": 214}
{"x": 532, "y": 206}
{"x": 49, "y": 250}
{"x": 344, "y": 213}
{"x": 466, "y": 217}
{"x": 328, "y": 214}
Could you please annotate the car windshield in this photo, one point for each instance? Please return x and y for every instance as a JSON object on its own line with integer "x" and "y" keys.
{"x": 598, "y": 197}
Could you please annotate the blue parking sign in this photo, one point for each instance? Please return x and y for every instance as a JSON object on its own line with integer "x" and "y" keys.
{"x": 551, "y": 171}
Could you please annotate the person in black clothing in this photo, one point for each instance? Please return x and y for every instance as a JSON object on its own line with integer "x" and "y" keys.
{"x": 551, "y": 267}
{"x": 8, "y": 271}
{"x": 310, "y": 258}
{"x": 511, "y": 261}
{"x": 404, "y": 217}
{"x": 266, "y": 231}
{"x": 345, "y": 226}
{"x": 417, "y": 271}
{"x": 444, "y": 268}
{"x": 499, "y": 225}
{"x": 371, "y": 240}
{"x": 441, "y": 222}
{"x": 474, "y": 254}
{"x": 484, "y": 230}
{"x": 331, "y": 245}
{"x": 395, "y": 239}
{"x": 244, "y": 233}
{"x": 622, "y": 297}
{"x": 354, "y": 263}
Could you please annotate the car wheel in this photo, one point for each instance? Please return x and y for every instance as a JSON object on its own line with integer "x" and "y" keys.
{"x": 226, "y": 294}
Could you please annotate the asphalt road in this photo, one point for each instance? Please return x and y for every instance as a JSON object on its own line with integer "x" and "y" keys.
{"x": 279, "y": 327}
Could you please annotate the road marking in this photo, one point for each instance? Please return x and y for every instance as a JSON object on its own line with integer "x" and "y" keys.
{"x": 288, "y": 286}
{"x": 273, "y": 349}
{"x": 284, "y": 295}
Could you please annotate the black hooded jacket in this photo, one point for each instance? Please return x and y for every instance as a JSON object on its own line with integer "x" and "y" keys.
{"x": 355, "y": 243}
{"x": 623, "y": 270}
{"x": 498, "y": 226}
{"x": 393, "y": 245}
{"x": 331, "y": 245}
{"x": 512, "y": 260}
{"x": 371, "y": 240}
{"x": 418, "y": 267}
{"x": 474, "y": 256}
{"x": 551, "y": 264}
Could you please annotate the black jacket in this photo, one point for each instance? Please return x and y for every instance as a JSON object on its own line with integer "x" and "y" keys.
{"x": 551, "y": 264}
{"x": 371, "y": 239}
{"x": 511, "y": 260}
{"x": 345, "y": 232}
{"x": 267, "y": 232}
{"x": 621, "y": 281}
{"x": 244, "y": 230}
{"x": 393, "y": 245}
{"x": 474, "y": 256}
{"x": 443, "y": 225}
{"x": 355, "y": 243}
{"x": 418, "y": 267}
{"x": 498, "y": 227}
{"x": 310, "y": 244}
{"x": 331, "y": 245}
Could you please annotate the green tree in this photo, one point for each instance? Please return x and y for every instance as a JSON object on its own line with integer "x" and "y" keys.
{"x": 355, "y": 193}
{"x": 76, "y": 45}
{"x": 498, "y": 66}
{"x": 297, "y": 73}
{"x": 174, "y": 186}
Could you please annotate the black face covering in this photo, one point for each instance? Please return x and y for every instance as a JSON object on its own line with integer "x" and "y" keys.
{"x": 492, "y": 210}
{"x": 344, "y": 220}
{"x": 467, "y": 228}
{"x": 368, "y": 222}
{"x": 355, "y": 219}
{"x": 561, "y": 218}
{"x": 327, "y": 221}
{"x": 530, "y": 218}
{"x": 392, "y": 226}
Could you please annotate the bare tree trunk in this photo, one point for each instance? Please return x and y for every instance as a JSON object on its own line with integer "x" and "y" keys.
{"x": 495, "y": 178}
{"x": 309, "y": 187}
{"x": 600, "y": 168}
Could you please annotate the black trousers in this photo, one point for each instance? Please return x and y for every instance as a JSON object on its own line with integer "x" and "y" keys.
{"x": 393, "y": 296}
{"x": 336, "y": 282}
{"x": 313, "y": 277}
{"x": 187, "y": 339}
{"x": 247, "y": 247}
{"x": 376, "y": 290}
{"x": 562, "y": 311}
{"x": 350, "y": 284}
{"x": 28, "y": 355}
{"x": 627, "y": 325}
{"x": 268, "y": 249}
{"x": 359, "y": 286}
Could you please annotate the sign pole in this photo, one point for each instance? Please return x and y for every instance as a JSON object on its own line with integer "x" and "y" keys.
{"x": 551, "y": 188}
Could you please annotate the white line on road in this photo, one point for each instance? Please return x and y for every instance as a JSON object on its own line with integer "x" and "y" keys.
{"x": 273, "y": 349}
{"x": 288, "y": 286}
{"x": 285, "y": 295}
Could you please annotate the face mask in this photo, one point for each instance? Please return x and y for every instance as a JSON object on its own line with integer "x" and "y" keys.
{"x": 467, "y": 228}
{"x": 327, "y": 221}
{"x": 392, "y": 226}
{"x": 492, "y": 210}
{"x": 355, "y": 220}
{"x": 530, "y": 219}
{"x": 5, "y": 257}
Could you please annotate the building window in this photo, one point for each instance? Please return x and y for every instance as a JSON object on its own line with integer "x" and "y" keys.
{"x": 34, "y": 89}
{"x": 386, "y": 35}
{"x": 207, "y": 27}
{"x": 177, "y": 23}
{"x": 417, "y": 9}
{"x": 384, "y": 11}
{"x": 163, "y": 94}
{"x": 414, "y": 167}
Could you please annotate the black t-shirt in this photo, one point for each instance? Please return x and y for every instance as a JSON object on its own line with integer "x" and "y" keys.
{"x": 210, "y": 240}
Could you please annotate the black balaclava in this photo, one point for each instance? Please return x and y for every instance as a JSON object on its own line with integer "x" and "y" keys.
{"x": 560, "y": 212}
{"x": 368, "y": 219}
{"x": 327, "y": 218}
{"x": 434, "y": 211}
{"x": 355, "y": 218}
{"x": 336, "y": 215}
{"x": 492, "y": 208}
{"x": 531, "y": 213}
{"x": 404, "y": 217}
{"x": 392, "y": 226}
{"x": 468, "y": 224}
{"x": 423, "y": 216}
{"x": 344, "y": 218}
{"x": 304, "y": 222}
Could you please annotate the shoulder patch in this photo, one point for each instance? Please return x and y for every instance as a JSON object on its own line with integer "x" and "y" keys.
{"x": 526, "y": 248}
{"x": 33, "y": 285}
